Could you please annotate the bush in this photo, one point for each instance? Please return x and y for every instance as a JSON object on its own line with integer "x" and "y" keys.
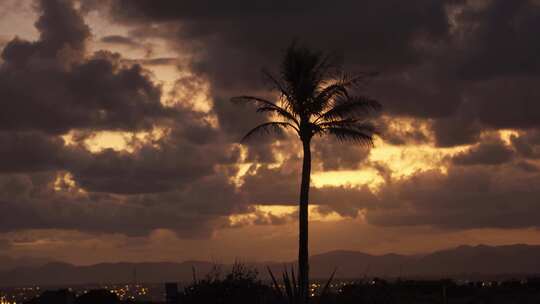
{"x": 239, "y": 286}
{"x": 98, "y": 296}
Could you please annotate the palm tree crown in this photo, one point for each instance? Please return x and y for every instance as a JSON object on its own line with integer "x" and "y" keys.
{"x": 315, "y": 99}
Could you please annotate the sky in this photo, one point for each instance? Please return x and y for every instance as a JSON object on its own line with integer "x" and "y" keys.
{"x": 118, "y": 141}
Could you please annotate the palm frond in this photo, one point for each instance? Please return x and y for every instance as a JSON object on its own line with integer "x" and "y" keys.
{"x": 350, "y": 134}
{"x": 340, "y": 88}
{"x": 265, "y": 105}
{"x": 290, "y": 289}
{"x": 326, "y": 289}
{"x": 281, "y": 113}
{"x": 326, "y": 62}
{"x": 329, "y": 94}
{"x": 277, "y": 289}
{"x": 276, "y": 127}
{"x": 350, "y": 123}
{"x": 350, "y": 107}
{"x": 286, "y": 96}
{"x": 332, "y": 91}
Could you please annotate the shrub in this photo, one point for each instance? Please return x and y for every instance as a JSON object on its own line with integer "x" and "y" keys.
{"x": 239, "y": 286}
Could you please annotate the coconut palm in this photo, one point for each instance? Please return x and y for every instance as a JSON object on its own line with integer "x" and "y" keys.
{"x": 314, "y": 99}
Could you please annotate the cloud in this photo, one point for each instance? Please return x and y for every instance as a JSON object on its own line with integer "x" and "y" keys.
{"x": 191, "y": 212}
{"x": 455, "y": 71}
{"x": 438, "y": 60}
{"x": 188, "y": 153}
{"x": 527, "y": 144}
{"x": 486, "y": 153}
{"x": 465, "y": 198}
{"x": 31, "y": 151}
{"x": 334, "y": 155}
{"x": 232, "y": 57}
{"x": 280, "y": 186}
{"x": 513, "y": 104}
{"x": 49, "y": 85}
{"x": 60, "y": 26}
{"x": 120, "y": 40}
{"x": 4, "y": 245}
{"x": 502, "y": 39}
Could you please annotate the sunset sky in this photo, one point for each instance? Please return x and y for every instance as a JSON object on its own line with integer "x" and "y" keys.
{"x": 118, "y": 141}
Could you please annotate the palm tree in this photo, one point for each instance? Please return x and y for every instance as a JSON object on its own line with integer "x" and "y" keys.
{"x": 314, "y": 99}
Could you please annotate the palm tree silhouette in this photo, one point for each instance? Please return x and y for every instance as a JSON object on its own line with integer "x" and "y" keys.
{"x": 314, "y": 99}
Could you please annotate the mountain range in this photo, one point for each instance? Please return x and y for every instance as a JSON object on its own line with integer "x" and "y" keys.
{"x": 463, "y": 261}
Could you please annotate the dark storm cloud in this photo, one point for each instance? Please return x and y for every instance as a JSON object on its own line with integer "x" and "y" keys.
{"x": 399, "y": 134}
{"x": 30, "y": 151}
{"x": 527, "y": 144}
{"x": 118, "y": 39}
{"x": 186, "y": 155}
{"x": 507, "y": 102}
{"x": 491, "y": 194}
{"x": 236, "y": 121}
{"x": 527, "y": 166}
{"x": 279, "y": 186}
{"x": 245, "y": 27}
{"x": 133, "y": 43}
{"x": 503, "y": 39}
{"x": 439, "y": 60}
{"x": 493, "y": 152}
{"x": 158, "y": 61}
{"x": 334, "y": 155}
{"x": 193, "y": 212}
{"x": 265, "y": 185}
{"x": 476, "y": 71}
{"x": 232, "y": 41}
{"x": 4, "y": 245}
{"x": 94, "y": 94}
{"x": 104, "y": 216}
{"x": 426, "y": 90}
{"x": 456, "y": 130}
{"x": 59, "y": 26}
{"x": 48, "y": 85}
{"x": 51, "y": 86}
{"x": 466, "y": 198}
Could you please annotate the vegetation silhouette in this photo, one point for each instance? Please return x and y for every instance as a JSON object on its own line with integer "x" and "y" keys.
{"x": 314, "y": 99}
{"x": 289, "y": 291}
{"x": 53, "y": 297}
{"x": 101, "y": 296}
{"x": 64, "y": 296}
{"x": 239, "y": 286}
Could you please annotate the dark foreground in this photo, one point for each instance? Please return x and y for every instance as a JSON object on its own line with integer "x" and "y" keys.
{"x": 241, "y": 285}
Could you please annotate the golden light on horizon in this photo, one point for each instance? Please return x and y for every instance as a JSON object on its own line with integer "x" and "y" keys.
{"x": 65, "y": 181}
{"x": 115, "y": 140}
{"x": 506, "y": 136}
{"x": 279, "y": 214}
{"x": 401, "y": 161}
{"x": 369, "y": 177}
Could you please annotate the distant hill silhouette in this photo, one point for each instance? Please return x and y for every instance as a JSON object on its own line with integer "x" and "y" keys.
{"x": 7, "y": 263}
{"x": 477, "y": 260}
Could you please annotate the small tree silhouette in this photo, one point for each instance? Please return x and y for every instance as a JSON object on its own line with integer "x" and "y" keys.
{"x": 314, "y": 100}
{"x": 101, "y": 296}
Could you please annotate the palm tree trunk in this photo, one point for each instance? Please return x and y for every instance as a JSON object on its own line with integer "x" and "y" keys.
{"x": 303, "y": 255}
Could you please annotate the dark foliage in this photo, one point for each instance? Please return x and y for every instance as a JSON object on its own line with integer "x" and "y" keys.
{"x": 100, "y": 296}
{"x": 53, "y": 297}
{"x": 239, "y": 286}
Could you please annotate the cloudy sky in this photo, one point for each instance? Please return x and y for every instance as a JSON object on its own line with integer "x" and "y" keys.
{"x": 118, "y": 141}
